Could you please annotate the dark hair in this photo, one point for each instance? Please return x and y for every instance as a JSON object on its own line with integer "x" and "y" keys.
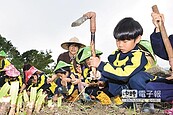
{"x": 26, "y": 67}
{"x": 62, "y": 70}
{"x": 31, "y": 78}
{"x": 127, "y": 29}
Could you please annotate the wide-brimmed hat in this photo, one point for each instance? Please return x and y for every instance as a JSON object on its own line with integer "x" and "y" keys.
{"x": 84, "y": 53}
{"x": 61, "y": 65}
{"x": 73, "y": 40}
{"x": 11, "y": 71}
{"x": 3, "y": 54}
{"x": 29, "y": 73}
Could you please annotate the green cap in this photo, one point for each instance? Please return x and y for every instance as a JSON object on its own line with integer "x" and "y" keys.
{"x": 3, "y": 54}
{"x": 62, "y": 64}
{"x": 85, "y": 53}
{"x": 146, "y": 46}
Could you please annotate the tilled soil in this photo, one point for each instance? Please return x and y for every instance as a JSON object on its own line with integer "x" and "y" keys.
{"x": 98, "y": 109}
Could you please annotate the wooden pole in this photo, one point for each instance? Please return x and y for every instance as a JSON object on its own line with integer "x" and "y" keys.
{"x": 92, "y": 17}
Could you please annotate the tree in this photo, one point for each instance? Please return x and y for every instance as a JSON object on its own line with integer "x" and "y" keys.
{"x": 13, "y": 54}
{"x": 40, "y": 60}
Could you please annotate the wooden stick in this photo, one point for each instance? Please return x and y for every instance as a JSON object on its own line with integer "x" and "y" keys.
{"x": 92, "y": 17}
{"x": 165, "y": 37}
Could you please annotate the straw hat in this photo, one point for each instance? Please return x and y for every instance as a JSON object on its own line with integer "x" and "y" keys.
{"x": 73, "y": 40}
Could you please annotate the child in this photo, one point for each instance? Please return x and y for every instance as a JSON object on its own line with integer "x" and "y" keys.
{"x": 156, "y": 38}
{"x": 126, "y": 66}
{"x": 66, "y": 82}
{"x": 8, "y": 73}
{"x": 87, "y": 77}
{"x": 12, "y": 74}
{"x": 157, "y": 41}
{"x": 163, "y": 85}
{"x": 3, "y": 64}
{"x": 37, "y": 78}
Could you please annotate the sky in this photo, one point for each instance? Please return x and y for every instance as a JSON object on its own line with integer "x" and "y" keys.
{"x": 46, "y": 24}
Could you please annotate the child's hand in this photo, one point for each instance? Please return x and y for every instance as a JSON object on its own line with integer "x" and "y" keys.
{"x": 170, "y": 77}
{"x": 92, "y": 76}
{"x": 94, "y": 61}
{"x": 101, "y": 84}
{"x": 55, "y": 97}
{"x": 76, "y": 81}
{"x": 67, "y": 79}
{"x": 157, "y": 19}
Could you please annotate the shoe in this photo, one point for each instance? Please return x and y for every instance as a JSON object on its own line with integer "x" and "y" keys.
{"x": 86, "y": 97}
{"x": 103, "y": 98}
{"x": 117, "y": 100}
{"x": 148, "y": 108}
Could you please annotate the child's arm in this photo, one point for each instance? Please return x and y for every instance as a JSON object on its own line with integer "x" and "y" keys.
{"x": 122, "y": 73}
{"x": 54, "y": 76}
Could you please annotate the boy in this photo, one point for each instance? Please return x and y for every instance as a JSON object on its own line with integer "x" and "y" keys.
{"x": 126, "y": 66}
{"x": 156, "y": 38}
{"x": 66, "y": 82}
{"x": 157, "y": 42}
{"x": 164, "y": 85}
{"x": 87, "y": 76}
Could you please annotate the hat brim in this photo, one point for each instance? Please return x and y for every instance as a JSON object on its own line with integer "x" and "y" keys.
{"x": 3, "y": 55}
{"x": 29, "y": 73}
{"x": 65, "y": 45}
{"x": 11, "y": 71}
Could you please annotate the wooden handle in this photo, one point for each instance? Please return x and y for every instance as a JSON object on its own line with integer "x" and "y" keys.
{"x": 164, "y": 37}
{"x": 92, "y": 17}
{"x": 155, "y": 9}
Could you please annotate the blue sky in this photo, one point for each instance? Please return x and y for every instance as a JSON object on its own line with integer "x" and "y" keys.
{"x": 45, "y": 24}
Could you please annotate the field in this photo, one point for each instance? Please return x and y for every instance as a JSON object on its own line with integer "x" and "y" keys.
{"x": 37, "y": 105}
{"x": 96, "y": 108}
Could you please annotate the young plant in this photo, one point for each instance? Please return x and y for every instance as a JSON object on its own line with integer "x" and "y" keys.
{"x": 32, "y": 100}
{"x": 59, "y": 103}
{"x": 4, "y": 98}
{"x": 14, "y": 94}
{"x": 40, "y": 99}
{"x": 4, "y": 90}
{"x": 19, "y": 103}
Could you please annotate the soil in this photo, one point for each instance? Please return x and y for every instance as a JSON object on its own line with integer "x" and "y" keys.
{"x": 97, "y": 109}
{"x": 91, "y": 108}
